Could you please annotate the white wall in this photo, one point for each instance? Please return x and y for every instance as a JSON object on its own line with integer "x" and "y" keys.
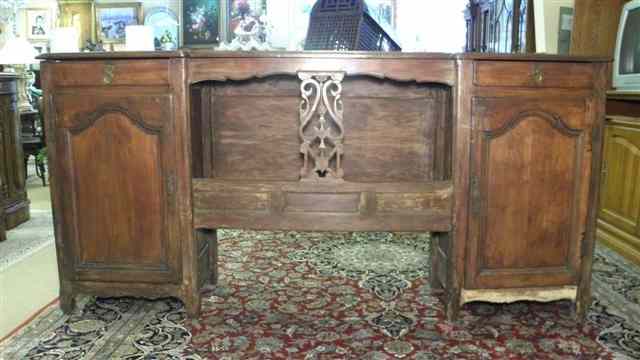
{"x": 547, "y": 15}
{"x": 431, "y": 25}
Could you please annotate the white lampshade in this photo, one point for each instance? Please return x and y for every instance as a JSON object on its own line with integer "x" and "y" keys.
{"x": 17, "y": 51}
{"x": 64, "y": 40}
{"x": 139, "y": 38}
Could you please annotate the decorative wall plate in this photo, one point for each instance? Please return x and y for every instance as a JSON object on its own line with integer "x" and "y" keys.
{"x": 165, "y": 27}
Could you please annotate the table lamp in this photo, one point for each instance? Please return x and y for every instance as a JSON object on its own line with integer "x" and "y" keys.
{"x": 18, "y": 53}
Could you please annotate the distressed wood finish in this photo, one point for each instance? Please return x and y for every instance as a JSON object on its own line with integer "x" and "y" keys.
{"x": 533, "y": 74}
{"x": 529, "y": 187}
{"x": 495, "y": 155}
{"x": 13, "y": 200}
{"x": 319, "y": 207}
{"x": 113, "y": 155}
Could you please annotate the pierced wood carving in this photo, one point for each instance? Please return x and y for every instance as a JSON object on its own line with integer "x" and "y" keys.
{"x": 321, "y": 125}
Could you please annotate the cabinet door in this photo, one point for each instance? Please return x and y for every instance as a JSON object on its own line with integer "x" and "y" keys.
{"x": 620, "y": 198}
{"x": 531, "y": 163}
{"x": 114, "y": 171}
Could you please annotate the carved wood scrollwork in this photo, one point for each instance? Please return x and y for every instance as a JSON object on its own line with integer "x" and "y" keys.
{"x": 321, "y": 125}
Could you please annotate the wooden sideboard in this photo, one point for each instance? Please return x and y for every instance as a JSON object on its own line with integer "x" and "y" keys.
{"x": 151, "y": 152}
{"x": 15, "y": 206}
{"x": 619, "y": 214}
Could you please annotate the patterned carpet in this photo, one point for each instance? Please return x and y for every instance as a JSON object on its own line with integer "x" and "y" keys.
{"x": 285, "y": 295}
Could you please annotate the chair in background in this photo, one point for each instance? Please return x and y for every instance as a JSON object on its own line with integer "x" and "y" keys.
{"x": 33, "y": 139}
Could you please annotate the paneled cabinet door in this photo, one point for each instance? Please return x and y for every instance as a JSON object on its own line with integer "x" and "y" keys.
{"x": 115, "y": 159}
{"x": 531, "y": 161}
{"x": 620, "y": 197}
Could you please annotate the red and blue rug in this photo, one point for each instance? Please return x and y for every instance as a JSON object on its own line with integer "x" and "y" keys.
{"x": 288, "y": 295}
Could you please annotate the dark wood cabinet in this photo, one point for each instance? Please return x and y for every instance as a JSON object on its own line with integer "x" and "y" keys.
{"x": 619, "y": 214}
{"x": 150, "y": 153}
{"x": 114, "y": 165}
{"x": 116, "y": 153}
{"x": 12, "y": 174}
{"x": 499, "y": 26}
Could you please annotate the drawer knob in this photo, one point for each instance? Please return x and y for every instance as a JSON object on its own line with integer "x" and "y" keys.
{"x": 538, "y": 75}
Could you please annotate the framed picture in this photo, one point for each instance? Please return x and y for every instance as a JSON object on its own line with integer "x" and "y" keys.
{"x": 165, "y": 27}
{"x": 565, "y": 28}
{"x": 201, "y": 22}
{"x": 383, "y": 11}
{"x": 244, "y": 15}
{"x": 553, "y": 25}
{"x": 38, "y": 23}
{"x": 78, "y": 14}
{"x": 111, "y": 20}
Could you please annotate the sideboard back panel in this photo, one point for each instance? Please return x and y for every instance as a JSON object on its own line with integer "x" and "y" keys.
{"x": 390, "y": 129}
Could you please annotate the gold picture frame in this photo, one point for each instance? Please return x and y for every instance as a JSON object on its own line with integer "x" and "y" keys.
{"x": 78, "y": 14}
{"x": 112, "y": 18}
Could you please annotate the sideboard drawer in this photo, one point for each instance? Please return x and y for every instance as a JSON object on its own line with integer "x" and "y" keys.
{"x": 106, "y": 73}
{"x": 530, "y": 74}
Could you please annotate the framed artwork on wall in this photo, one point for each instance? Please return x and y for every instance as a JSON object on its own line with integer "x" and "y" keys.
{"x": 38, "y": 24}
{"x": 244, "y": 16}
{"x": 165, "y": 27}
{"x": 553, "y": 25}
{"x": 383, "y": 11}
{"x": 111, "y": 20}
{"x": 201, "y": 21}
{"x": 565, "y": 27}
{"x": 78, "y": 14}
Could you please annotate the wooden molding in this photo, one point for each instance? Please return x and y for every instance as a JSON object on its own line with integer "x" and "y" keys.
{"x": 512, "y": 295}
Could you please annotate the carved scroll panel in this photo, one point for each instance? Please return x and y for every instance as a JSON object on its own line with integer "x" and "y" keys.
{"x": 321, "y": 126}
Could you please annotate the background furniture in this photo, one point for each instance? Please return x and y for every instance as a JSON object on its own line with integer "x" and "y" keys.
{"x": 494, "y": 154}
{"x": 346, "y": 25}
{"x": 619, "y": 215}
{"x": 12, "y": 176}
{"x": 33, "y": 141}
{"x": 500, "y": 26}
{"x": 8, "y": 113}
{"x": 595, "y": 27}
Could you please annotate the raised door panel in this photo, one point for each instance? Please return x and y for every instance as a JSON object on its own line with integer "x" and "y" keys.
{"x": 115, "y": 162}
{"x": 531, "y": 164}
{"x": 620, "y": 199}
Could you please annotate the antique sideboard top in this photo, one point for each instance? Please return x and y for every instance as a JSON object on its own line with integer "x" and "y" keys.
{"x": 204, "y": 65}
{"x": 204, "y": 53}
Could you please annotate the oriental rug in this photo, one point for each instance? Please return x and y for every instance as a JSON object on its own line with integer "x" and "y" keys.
{"x": 288, "y": 295}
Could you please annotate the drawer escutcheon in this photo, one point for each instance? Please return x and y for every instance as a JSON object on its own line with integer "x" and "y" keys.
{"x": 108, "y": 73}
